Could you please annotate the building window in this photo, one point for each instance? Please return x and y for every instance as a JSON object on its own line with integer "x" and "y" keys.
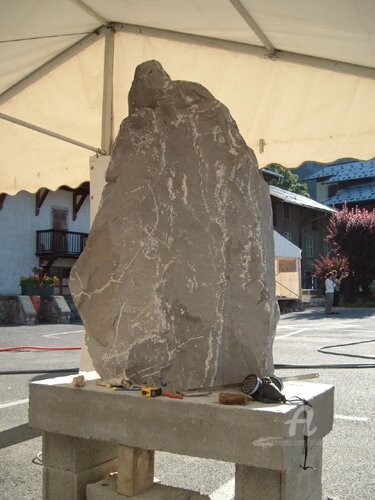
{"x": 274, "y": 214}
{"x": 332, "y": 190}
{"x": 308, "y": 281}
{"x": 60, "y": 219}
{"x": 59, "y": 226}
{"x": 288, "y": 235}
{"x": 309, "y": 245}
{"x": 287, "y": 265}
{"x": 286, "y": 209}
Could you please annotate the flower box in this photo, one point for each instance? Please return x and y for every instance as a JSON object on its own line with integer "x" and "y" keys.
{"x": 28, "y": 289}
{"x": 38, "y": 283}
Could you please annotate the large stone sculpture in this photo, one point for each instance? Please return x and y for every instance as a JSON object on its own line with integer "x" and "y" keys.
{"x": 176, "y": 283}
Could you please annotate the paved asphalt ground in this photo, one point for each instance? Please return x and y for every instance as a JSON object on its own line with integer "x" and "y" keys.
{"x": 348, "y": 463}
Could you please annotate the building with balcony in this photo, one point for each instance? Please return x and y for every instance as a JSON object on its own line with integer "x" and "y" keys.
{"x": 48, "y": 229}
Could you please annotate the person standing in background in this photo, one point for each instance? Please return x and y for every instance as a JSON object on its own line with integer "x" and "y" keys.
{"x": 329, "y": 293}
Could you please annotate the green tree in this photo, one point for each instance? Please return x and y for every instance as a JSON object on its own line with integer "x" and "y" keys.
{"x": 289, "y": 181}
{"x": 352, "y": 235}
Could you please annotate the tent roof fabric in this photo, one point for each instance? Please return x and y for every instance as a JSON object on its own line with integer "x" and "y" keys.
{"x": 297, "y": 199}
{"x": 285, "y": 248}
{"x": 337, "y": 30}
{"x": 298, "y": 77}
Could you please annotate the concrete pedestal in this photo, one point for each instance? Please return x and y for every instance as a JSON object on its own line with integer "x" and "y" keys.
{"x": 86, "y": 430}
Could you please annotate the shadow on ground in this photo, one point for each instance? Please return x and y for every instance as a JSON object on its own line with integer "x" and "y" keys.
{"x": 17, "y": 435}
{"x": 313, "y": 314}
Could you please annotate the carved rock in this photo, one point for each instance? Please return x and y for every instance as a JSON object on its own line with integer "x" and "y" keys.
{"x": 176, "y": 283}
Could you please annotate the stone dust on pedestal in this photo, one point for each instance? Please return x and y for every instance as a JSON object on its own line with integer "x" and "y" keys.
{"x": 176, "y": 282}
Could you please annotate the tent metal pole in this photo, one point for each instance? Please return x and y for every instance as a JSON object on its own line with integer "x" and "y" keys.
{"x": 52, "y": 64}
{"x": 245, "y": 48}
{"x": 107, "y": 104}
{"x": 243, "y": 12}
{"x": 91, "y": 12}
{"x": 51, "y": 134}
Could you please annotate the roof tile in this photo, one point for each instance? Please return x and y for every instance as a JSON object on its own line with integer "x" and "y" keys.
{"x": 345, "y": 172}
{"x": 352, "y": 194}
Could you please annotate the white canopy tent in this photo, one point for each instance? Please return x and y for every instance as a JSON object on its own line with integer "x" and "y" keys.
{"x": 284, "y": 248}
{"x": 298, "y": 76}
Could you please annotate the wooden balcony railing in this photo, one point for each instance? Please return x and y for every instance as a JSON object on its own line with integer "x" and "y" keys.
{"x": 56, "y": 243}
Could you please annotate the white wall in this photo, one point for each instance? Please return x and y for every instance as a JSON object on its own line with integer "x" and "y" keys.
{"x": 18, "y": 224}
{"x": 98, "y": 168}
{"x": 321, "y": 192}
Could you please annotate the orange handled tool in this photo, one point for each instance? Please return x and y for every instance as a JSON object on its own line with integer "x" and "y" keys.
{"x": 172, "y": 395}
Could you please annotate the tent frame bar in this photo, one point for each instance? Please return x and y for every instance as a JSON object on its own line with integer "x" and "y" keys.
{"x": 91, "y": 12}
{"x": 50, "y": 133}
{"x": 256, "y": 50}
{"x": 52, "y": 64}
{"x": 107, "y": 103}
{"x": 249, "y": 20}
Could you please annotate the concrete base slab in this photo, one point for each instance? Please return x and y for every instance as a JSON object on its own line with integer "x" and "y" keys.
{"x": 260, "y": 435}
{"x": 267, "y": 442}
{"x": 294, "y": 483}
{"x": 75, "y": 454}
{"x": 107, "y": 490}
{"x": 59, "y": 484}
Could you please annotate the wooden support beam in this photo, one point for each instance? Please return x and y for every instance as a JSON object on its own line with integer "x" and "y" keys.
{"x": 135, "y": 470}
{"x": 47, "y": 265}
{"x": 40, "y": 196}
{"x": 2, "y": 198}
{"x": 78, "y": 200}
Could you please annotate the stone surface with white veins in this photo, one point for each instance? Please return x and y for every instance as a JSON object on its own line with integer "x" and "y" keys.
{"x": 176, "y": 283}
